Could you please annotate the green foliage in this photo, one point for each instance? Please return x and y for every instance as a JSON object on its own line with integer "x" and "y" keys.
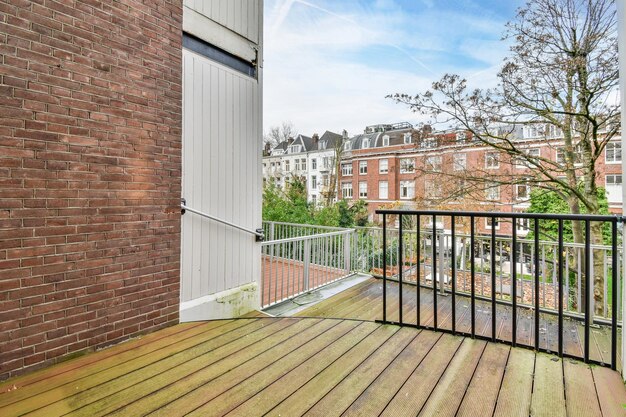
{"x": 291, "y": 206}
{"x": 543, "y": 201}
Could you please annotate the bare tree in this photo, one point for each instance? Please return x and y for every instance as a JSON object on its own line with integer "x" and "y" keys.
{"x": 278, "y": 134}
{"x": 560, "y": 79}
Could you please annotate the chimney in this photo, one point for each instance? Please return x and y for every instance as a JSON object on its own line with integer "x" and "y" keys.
{"x": 289, "y": 141}
{"x": 268, "y": 148}
{"x": 344, "y": 133}
{"x": 315, "y": 138}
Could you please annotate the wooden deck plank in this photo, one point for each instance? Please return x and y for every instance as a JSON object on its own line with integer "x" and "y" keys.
{"x": 581, "y": 401}
{"x": 90, "y": 360}
{"x": 178, "y": 399}
{"x": 412, "y": 396}
{"x": 548, "y": 397}
{"x": 344, "y": 393}
{"x": 265, "y": 399}
{"x": 447, "y": 395}
{"x": 376, "y": 397}
{"x": 337, "y": 301}
{"x": 611, "y": 392}
{"x": 480, "y": 397}
{"x": 108, "y": 397}
{"x": 517, "y": 385}
{"x": 117, "y": 370}
{"x": 311, "y": 392}
{"x": 231, "y": 398}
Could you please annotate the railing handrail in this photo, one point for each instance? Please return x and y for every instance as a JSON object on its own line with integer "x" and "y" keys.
{"x": 256, "y": 233}
{"x": 505, "y": 215}
{"x": 307, "y": 237}
{"x": 304, "y": 225}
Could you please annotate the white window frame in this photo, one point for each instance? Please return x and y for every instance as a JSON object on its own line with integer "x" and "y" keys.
{"x": 613, "y": 183}
{"x": 287, "y": 167}
{"x": 490, "y": 157}
{"x": 380, "y": 168}
{"x": 488, "y": 226}
{"x": 385, "y": 195}
{"x": 362, "y": 189}
{"x": 456, "y": 159}
{"x": 313, "y": 182}
{"x": 431, "y": 190}
{"x": 386, "y": 140}
{"x": 303, "y": 164}
{"x": 362, "y": 167}
{"x": 522, "y": 225}
{"x": 517, "y": 194}
{"x": 407, "y": 165}
{"x": 365, "y": 143}
{"x": 488, "y": 195}
{"x": 297, "y": 165}
{"x": 346, "y": 169}
{"x": 521, "y": 163}
{"x": 408, "y": 138}
{"x": 314, "y": 164}
{"x": 406, "y": 186}
{"x": 434, "y": 163}
{"x": 616, "y": 149}
{"x": 347, "y": 146}
{"x": 346, "y": 190}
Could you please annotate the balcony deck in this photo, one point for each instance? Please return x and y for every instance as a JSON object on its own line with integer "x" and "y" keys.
{"x": 317, "y": 367}
{"x": 363, "y": 302}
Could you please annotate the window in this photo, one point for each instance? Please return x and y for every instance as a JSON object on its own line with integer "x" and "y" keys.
{"x": 325, "y": 181}
{"x": 303, "y": 164}
{"x": 560, "y": 155}
{"x": 492, "y": 160}
{"x": 346, "y": 190}
{"x": 383, "y": 190}
{"x": 325, "y": 162}
{"x": 294, "y": 148}
{"x": 460, "y": 137}
{"x": 407, "y": 190}
{"x": 365, "y": 143}
{"x": 432, "y": 189}
{"x": 347, "y": 146}
{"x": 522, "y": 192}
{"x": 362, "y": 189}
{"x": 429, "y": 143}
{"x": 614, "y": 188}
{"x": 362, "y": 167}
{"x": 408, "y": 138}
{"x": 322, "y": 145}
{"x": 433, "y": 163}
{"x": 488, "y": 223}
{"x": 407, "y": 165}
{"x": 297, "y": 167}
{"x": 383, "y": 166}
{"x": 314, "y": 199}
{"x": 386, "y": 140}
{"x": 521, "y": 162}
{"x": 523, "y": 225}
{"x": 492, "y": 193}
{"x": 613, "y": 180}
{"x": 346, "y": 168}
{"x": 314, "y": 164}
{"x": 459, "y": 161}
{"x": 287, "y": 166}
{"x": 613, "y": 152}
{"x": 313, "y": 182}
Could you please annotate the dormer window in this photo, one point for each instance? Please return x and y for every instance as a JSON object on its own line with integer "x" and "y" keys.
{"x": 346, "y": 146}
{"x": 408, "y": 138}
{"x": 295, "y": 148}
{"x": 460, "y": 137}
{"x": 429, "y": 143}
{"x": 322, "y": 145}
{"x": 365, "y": 144}
{"x": 386, "y": 140}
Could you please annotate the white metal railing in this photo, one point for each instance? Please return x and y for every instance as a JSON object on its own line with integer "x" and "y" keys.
{"x": 295, "y": 265}
{"x": 281, "y": 230}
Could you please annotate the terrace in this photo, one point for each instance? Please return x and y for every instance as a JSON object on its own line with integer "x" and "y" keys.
{"x": 352, "y": 333}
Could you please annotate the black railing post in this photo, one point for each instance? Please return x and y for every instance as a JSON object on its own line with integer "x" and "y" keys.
{"x": 493, "y": 279}
{"x": 472, "y": 278}
{"x": 400, "y": 268}
{"x": 588, "y": 260}
{"x": 384, "y": 267}
{"x": 514, "y": 286}
{"x": 453, "y": 274}
{"x": 433, "y": 273}
{"x": 614, "y": 290}
{"x": 418, "y": 289}
{"x": 536, "y": 267}
{"x": 560, "y": 282}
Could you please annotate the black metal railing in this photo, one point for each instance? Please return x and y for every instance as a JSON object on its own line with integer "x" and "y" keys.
{"x": 537, "y": 224}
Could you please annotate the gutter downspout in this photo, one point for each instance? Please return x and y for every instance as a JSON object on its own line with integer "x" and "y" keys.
{"x": 621, "y": 29}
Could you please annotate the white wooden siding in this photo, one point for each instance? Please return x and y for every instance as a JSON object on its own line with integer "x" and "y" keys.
{"x": 240, "y": 16}
{"x": 221, "y": 176}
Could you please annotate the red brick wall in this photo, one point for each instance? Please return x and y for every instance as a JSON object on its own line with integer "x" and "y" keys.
{"x": 90, "y": 139}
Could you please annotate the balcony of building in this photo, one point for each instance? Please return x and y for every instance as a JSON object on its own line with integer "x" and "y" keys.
{"x": 354, "y": 324}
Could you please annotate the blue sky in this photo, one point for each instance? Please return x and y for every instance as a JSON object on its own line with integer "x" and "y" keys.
{"x": 328, "y": 64}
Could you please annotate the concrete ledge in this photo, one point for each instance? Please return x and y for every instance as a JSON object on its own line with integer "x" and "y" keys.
{"x": 223, "y": 305}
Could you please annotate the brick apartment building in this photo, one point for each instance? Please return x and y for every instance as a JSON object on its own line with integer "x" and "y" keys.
{"x": 399, "y": 166}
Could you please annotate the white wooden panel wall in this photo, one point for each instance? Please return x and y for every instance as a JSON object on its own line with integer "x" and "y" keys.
{"x": 240, "y": 16}
{"x": 221, "y": 176}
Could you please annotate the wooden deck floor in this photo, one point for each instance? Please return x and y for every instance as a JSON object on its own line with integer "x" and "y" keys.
{"x": 364, "y": 302}
{"x": 316, "y": 367}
